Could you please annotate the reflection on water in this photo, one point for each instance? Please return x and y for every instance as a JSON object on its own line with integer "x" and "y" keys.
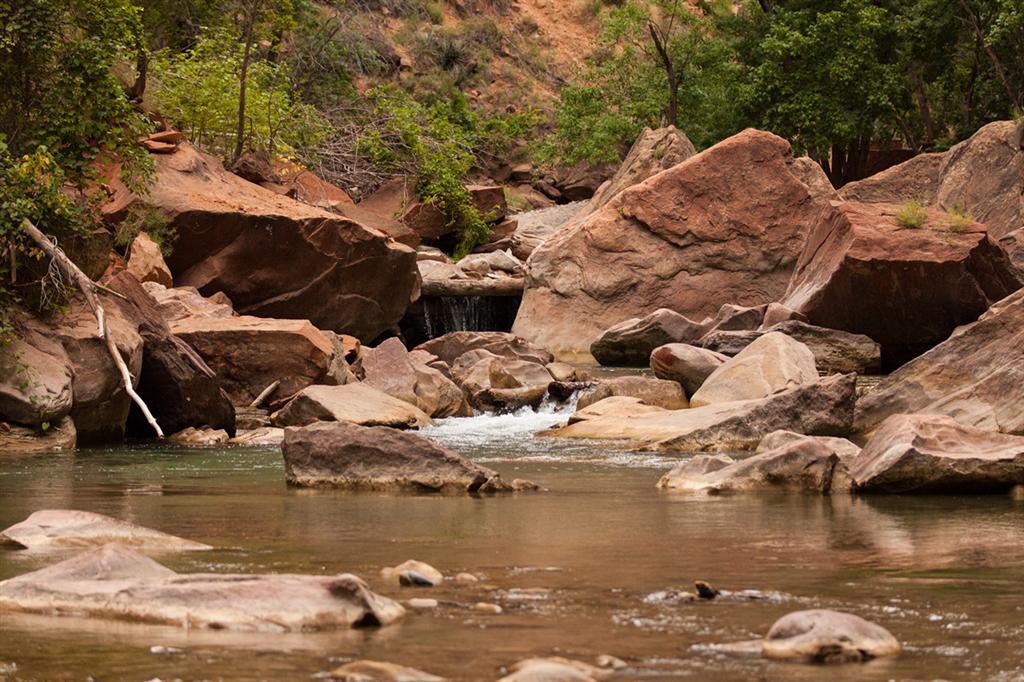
{"x": 578, "y": 570}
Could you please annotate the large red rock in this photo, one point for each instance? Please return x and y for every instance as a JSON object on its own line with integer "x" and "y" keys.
{"x": 724, "y": 226}
{"x": 983, "y": 175}
{"x": 927, "y": 453}
{"x": 905, "y": 287}
{"x": 35, "y": 376}
{"x": 975, "y": 376}
{"x": 250, "y": 353}
{"x": 176, "y": 384}
{"x": 274, "y": 256}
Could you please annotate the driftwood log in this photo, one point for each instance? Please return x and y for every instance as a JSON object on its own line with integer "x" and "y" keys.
{"x": 91, "y": 290}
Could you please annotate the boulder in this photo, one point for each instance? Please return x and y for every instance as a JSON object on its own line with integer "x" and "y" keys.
{"x": 775, "y": 313}
{"x": 778, "y": 439}
{"x": 450, "y": 346}
{"x": 630, "y": 343}
{"x": 177, "y": 385}
{"x": 391, "y": 368}
{"x": 821, "y": 636}
{"x": 477, "y": 370}
{"x": 101, "y": 405}
{"x": 352, "y": 403}
{"x": 63, "y": 528}
{"x": 835, "y": 351}
{"x": 378, "y": 458}
{"x": 974, "y": 376}
{"x": 554, "y": 669}
{"x": 146, "y": 261}
{"x": 733, "y": 318}
{"x": 503, "y": 400}
{"x": 534, "y": 227}
{"x": 35, "y": 376}
{"x": 115, "y": 582}
{"x": 652, "y": 152}
{"x": 657, "y": 392}
{"x": 984, "y": 175}
{"x": 380, "y": 671}
{"x": 1013, "y": 244}
{"x": 579, "y": 181}
{"x": 274, "y": 256}
{"x": 914, "y": 180}
{"x": 824, "y": 408}
{"x": 804, "y": 465}
{"x": 32, "y": 440}
{"x": 772, "y": 363}
{"x": 921, "y": 453}
{"x": 177, "y": 303}
{"x": 725, "y": 226}
{"x": 905, "y": 287}
{"x": 690, "y": 366}
{"x": 250, "y": 353}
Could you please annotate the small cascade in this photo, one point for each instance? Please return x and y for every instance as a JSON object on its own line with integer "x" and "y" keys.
{"x": 434, "y": 316}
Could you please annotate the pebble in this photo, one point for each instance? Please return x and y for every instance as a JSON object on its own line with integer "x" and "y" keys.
{"x": 609, "y": 661}
{"x": 421, "y": 604}
{"x": 160, "y": 649}
{"x": 466, "y": 578}
{"x": 414, "y": 579}
{"x": 484, "y": 607}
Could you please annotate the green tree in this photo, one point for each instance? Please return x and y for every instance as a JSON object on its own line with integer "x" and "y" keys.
{"x": 828, "y": 79}
{"x": 657, "y": 63}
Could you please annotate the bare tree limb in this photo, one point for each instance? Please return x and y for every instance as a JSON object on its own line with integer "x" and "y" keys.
{"x": 90, "y": 290}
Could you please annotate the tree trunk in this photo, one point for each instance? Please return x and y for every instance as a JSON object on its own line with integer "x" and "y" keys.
{"x": 243, "y": 76}
{"x": 138, "y": 88}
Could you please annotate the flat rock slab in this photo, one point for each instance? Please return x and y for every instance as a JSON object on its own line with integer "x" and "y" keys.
{"x": 61, "y": 528}
{"x": 117, "y": 582}
{"x": 352, "y": 403}
{"x": 379, "y": 458}
{"x": 380, "y": 671}
{"x": 823, "y": 408}
{"x": 822, "y": 636}
{"x": 921, "y": 453}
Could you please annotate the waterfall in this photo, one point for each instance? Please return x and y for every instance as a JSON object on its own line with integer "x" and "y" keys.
{"x": 434, "y": 316}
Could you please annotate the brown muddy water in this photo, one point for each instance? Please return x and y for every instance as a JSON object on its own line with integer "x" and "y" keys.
{"x": 581, "y": 570}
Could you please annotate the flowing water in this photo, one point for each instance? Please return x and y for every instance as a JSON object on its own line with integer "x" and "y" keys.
{"x": 585, "y": 569}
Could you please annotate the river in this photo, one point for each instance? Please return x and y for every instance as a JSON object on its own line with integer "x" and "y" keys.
{"x": 584, "y": 569}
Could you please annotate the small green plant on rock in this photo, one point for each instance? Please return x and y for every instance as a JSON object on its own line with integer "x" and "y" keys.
{"x": 958, "y": 219}
{"x": 912, "y": 215}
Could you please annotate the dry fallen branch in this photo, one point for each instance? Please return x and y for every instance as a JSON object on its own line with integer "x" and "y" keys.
{"x": 91, "y": 292}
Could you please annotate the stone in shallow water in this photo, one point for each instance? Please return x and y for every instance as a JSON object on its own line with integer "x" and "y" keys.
{"x": 924, "y": 453}
{"x": 72, "y": 528}
{"x": 554, "y": 669}
{"x": 118, "y": 583}
{"x": 379, "y": 671}
{"x": 380, "y": 458}
{"x": 427, "y": 574}
{"x": 823, "y": 636}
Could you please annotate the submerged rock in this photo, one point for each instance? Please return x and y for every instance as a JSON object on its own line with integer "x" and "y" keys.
{"x": 379, "y": 671}
{"x": 117, "y": 582}
{"x": 771, "y": 363}
{"x": 554, "y": 669}
{"x": 617, "y": 405}
{"x": 58, "y": 528}
{"x": 199, "y": 437}
{"x": 822, "y": 636}
{"x": 379, "y": 458}
{"x": 821, "y": 408}
{"x": 352, "y": 403}
{"x": 264, "y": 436}
{"x": 919, "y": 453}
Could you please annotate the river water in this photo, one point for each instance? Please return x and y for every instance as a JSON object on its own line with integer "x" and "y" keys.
{"x": 585, "y": 569}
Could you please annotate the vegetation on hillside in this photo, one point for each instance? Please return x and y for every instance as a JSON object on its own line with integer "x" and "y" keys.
{"x": 363, "y": 89}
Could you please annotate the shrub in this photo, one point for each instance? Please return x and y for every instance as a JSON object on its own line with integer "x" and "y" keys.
{"x": 958, "y": 219}
{"x": 911, "y": 215}
{"x": 198, "y": 90}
